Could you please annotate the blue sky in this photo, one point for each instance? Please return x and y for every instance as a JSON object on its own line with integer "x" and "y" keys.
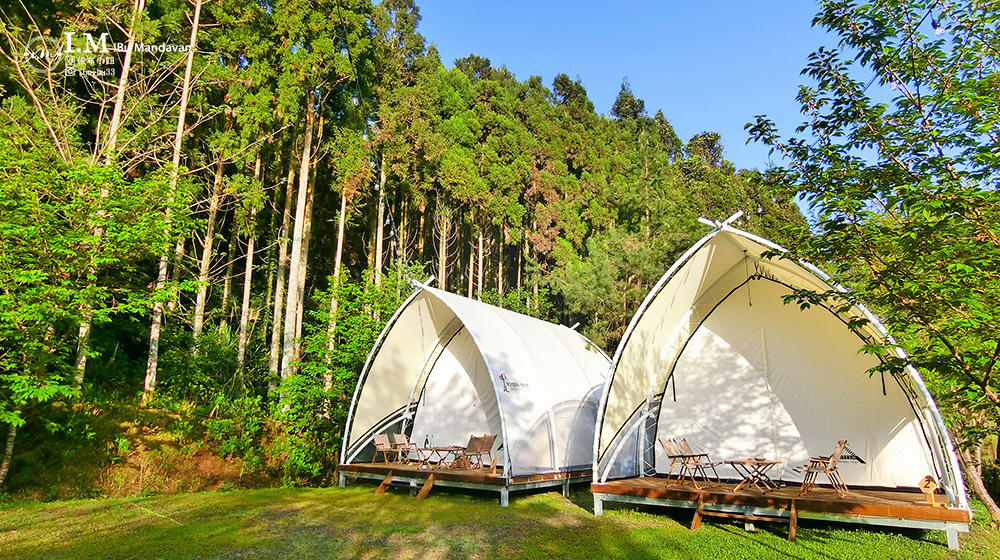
{"x": 709, "y": 65}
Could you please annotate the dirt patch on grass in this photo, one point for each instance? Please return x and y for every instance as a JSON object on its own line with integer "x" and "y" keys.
{"x": 123, "y": 451}
{"x": 170, "y": 468}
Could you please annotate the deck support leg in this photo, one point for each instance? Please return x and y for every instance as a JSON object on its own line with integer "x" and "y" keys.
{"x": 598, "y": 506}
{"x": 696, "y": 521}
{"x": 413, "y": 488}
{"x": 385, "y": 484}
{"x": 565, "y": 488}
{"x": 793, "y": 522}
{"x": 952, "y": 538}
{"x": 426, "y": 488}
{"x": 341, "y": 480}
{"x": 504, "y": 497}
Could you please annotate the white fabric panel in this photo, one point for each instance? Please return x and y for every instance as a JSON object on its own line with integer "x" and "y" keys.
{"x": 573, "y": 428}
{"x": 724, "y": 406}
{"x": 564, "y": 382}
{"x": 535, "y": 366}
{"x": 770, "y": 379}
{"x": 534, "y": 384}
{"x": 458, "y": 399}
{"x": 661, "y": 332}
{"x": 399, "y": 361}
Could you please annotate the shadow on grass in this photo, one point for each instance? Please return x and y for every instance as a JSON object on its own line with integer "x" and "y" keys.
{"x": 316, "y": 523}
{"x": 450, "y": 523}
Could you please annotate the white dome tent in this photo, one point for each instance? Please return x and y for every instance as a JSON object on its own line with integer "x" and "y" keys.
{"x": 446, "y": 367}
{"x": 715, "y": 355}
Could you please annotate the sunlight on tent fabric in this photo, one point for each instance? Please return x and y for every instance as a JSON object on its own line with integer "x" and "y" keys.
{"x": 717, "y": 357}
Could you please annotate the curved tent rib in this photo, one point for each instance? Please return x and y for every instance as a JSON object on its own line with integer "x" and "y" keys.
{"x": 669, "y": 331}
{"x": 367, "y": 367}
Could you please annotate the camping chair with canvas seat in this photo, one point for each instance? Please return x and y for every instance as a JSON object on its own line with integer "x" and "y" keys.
{"x": 403, "y": 446}
{"x": 827, "y": 465}
{"x": 676, "y": 460}
{"x": 475, "y": 457}
{"x": 689, "y": 464}
{"x": 471, "y": 456}
{"x": 383, "y": 446}
{"x": 699, "y": 461}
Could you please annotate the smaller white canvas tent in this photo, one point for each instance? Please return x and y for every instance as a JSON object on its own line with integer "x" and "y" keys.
{"x": 446, "y": 367}
{"x": 716, "y": 356}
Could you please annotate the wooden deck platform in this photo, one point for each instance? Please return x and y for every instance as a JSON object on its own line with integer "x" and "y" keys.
{"x": 478, "y": 479}
{"x": 862, "y": 506}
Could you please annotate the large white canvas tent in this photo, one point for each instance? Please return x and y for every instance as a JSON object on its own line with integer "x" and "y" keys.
{"x": 716, "y": 356}
{"x": 446, "y": 367}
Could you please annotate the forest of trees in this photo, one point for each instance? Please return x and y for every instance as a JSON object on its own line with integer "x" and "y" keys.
{"x": 218, "y": 205}
{"x": 233, "y": 222}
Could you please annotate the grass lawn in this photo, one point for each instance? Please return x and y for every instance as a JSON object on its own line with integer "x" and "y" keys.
{"x": 354, "y": 523}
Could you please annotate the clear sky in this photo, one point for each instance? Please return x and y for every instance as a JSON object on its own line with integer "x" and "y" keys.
{"x": 709, "y": 65}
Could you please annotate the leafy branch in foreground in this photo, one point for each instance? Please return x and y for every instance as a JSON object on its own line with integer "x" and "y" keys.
{"x": 903, "y": 194}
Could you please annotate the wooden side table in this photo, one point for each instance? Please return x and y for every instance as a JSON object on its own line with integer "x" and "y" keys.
{"x": 754, "y": 472}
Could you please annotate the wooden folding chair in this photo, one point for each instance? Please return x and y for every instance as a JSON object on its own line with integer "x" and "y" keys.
{"x": 464, "y": 457}
{"x": 689, "y": 464}
{"x": 485, "y": 447}
{"x": 827, "y": 465}
{"x": 383, "y": 446}
{"x": 699, "y": 461}
{"x": 402, "y": 445}
{"x": 677, "y": 460}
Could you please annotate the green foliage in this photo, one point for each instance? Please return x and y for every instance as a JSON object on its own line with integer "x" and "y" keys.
{"x": 707, "y": 146}
{"x": 363, "y": 309}
{"x": 904, "y": 194}
{"x": 569, "y": 215}
{"x": 521, "y": 300}
{"x": 239, "y": 429}
{"x": 56, "y": 437}
{"x": 201, "y": 376}
{"x": 302, "y": 442}
{"x": 627, "y": 106}
{"x": 308, "y": 419}
{"x": 54, "y": 268}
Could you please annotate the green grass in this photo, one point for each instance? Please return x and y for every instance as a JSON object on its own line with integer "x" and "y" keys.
{"x": 354, "y": 523}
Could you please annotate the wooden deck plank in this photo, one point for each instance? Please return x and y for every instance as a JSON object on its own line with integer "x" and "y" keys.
{"x": 861, "y": 502}
{"x": 484, "y": 477}
{"x": 472, "y": 476}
